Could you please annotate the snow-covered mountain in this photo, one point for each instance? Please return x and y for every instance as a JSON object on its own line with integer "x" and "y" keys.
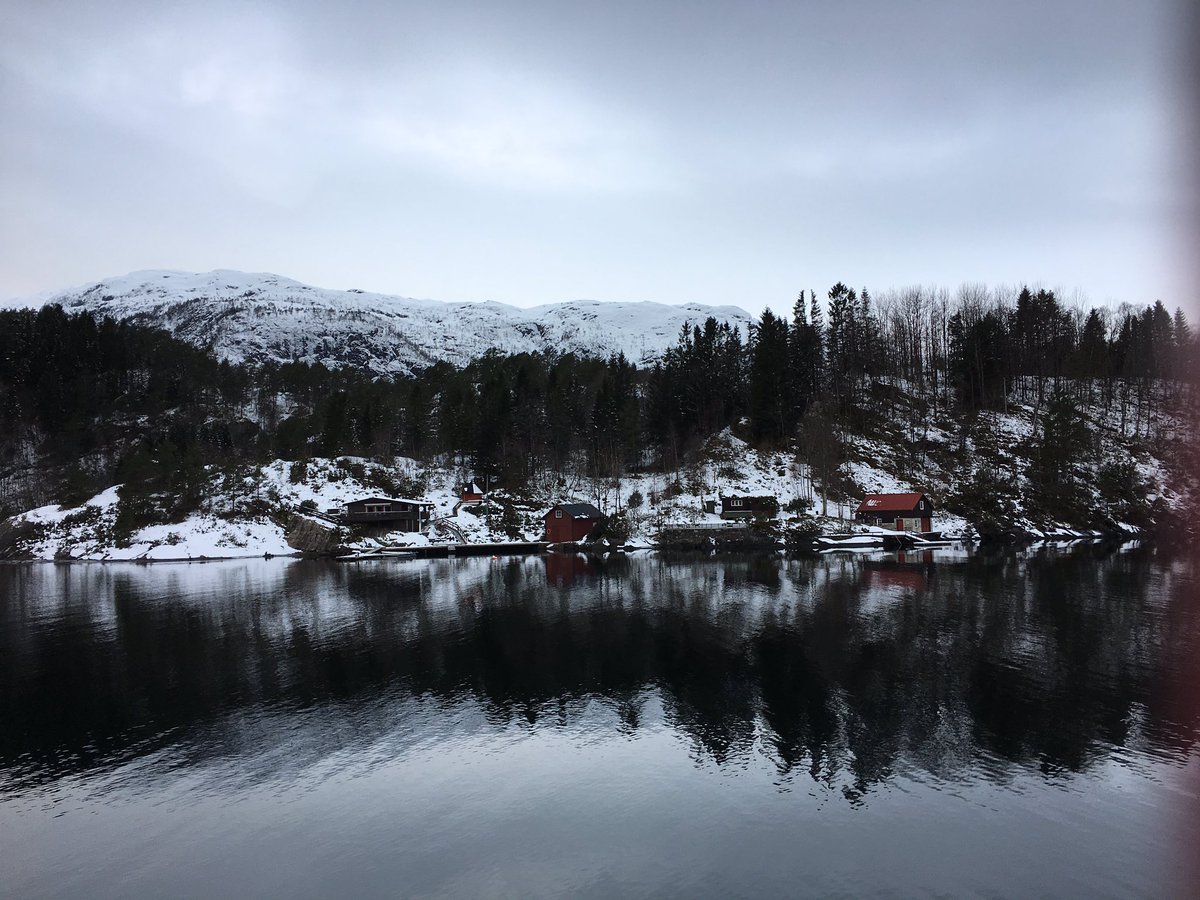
{"x": 259, "y": 317}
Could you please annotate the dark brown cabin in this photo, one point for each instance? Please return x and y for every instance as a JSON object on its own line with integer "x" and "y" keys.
{"x": 397, "y": 514}
{"x": 904, "y": 512}
{"x": 736, "y": 507}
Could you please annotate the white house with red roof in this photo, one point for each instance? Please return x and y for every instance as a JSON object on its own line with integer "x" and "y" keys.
{"x": 904, "y": 512}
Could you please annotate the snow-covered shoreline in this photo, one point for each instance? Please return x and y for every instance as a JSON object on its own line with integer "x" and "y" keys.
{"x": 248, "y": 515}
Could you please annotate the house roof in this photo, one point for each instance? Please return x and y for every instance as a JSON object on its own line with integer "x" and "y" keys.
{"x": 390, "y": 500}
{"x": 890, "y": 502}
{"x": 578, "y": 510}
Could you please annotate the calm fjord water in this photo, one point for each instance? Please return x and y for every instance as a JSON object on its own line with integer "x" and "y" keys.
{"x": 999, "y": 726}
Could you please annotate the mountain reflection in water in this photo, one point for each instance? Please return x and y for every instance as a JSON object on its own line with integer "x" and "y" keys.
{"x": 838, "y": 677}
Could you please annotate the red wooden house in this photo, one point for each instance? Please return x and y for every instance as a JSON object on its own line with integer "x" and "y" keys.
{"x": 566, "y": 522}
{"x": 904, "y": 512}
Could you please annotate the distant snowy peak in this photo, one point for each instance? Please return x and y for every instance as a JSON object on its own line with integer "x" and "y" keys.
{"x": 258, "y": 317}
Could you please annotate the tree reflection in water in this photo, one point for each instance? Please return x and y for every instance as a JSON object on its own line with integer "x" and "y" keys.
{"x": 843, "y": 670}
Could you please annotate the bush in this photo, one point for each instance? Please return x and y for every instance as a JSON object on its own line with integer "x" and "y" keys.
{"x": 1123, "y": 491}
{"x": 804, "y": 525}
{"x": 635, "y": 500}
{"x": 392, "y": 484}
{"x": 766, "y": 527}
{"x": 89, "y": 515}
{"x": 134, "y": 511}
{"x": 988, "y": 502}
{"x": 771, "y": 510}
{"x": 510, "y": 522}
{"x": 298, "y": 471}
{"x": 799, "y": 535}
{"x": 352, "y": 469}
{"x": 615, "y": 529}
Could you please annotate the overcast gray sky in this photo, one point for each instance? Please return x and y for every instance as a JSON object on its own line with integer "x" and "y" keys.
{"x": 532, "y": 152}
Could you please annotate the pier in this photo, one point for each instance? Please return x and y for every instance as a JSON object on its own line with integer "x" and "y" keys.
{"x": 434, "y": 551}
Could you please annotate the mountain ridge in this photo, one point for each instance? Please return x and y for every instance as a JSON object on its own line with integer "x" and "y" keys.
{"x": 261, "y": 317}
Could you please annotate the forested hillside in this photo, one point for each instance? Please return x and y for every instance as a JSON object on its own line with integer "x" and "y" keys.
{"x": 1006, "y": 406}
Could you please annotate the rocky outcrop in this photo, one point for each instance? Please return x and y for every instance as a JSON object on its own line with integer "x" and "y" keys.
{"x": 310, "y": 535}
{"x": 730, "y": 537}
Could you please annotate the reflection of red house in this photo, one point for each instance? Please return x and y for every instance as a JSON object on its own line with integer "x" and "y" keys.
{"x": 563, "y": 568}
{"x": 914, "y": 556}
{"x": 570, "y": 522}
{"x": 905, "y": 577}
{"x": 904, "y": 512}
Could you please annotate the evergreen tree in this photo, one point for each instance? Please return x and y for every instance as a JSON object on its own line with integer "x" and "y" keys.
{"x": 1183, "y": 347}
{"x": 771, "y": 413}
{"x": 804, "y": 352}
{"x": 1058, "y": 456}
{"x": 816, "y": 320}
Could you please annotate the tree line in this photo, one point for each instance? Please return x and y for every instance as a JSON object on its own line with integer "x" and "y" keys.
{"x": 105, "y": 401}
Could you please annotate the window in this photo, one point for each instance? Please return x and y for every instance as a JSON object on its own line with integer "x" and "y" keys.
{"x": 378, "y": 507}
{"x": 558, "y": 514}
{"x": 735, "y": 501}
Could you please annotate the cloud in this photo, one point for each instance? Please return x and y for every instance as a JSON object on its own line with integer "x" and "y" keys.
{"x": 766, "y": 138}
{"x": 248, "y": 98}
{"x": 514, "y": 131}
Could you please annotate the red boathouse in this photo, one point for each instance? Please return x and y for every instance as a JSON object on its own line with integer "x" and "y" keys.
{"x": 566, "y": 522}
{"x": 904, "y": 512}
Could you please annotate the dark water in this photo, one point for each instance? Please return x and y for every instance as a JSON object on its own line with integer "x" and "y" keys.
{"x": 1006, "y": 726}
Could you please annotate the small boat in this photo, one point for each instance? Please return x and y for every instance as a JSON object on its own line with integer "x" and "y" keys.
{"x": 858, "y": 542}
{"x": 381, "y": 553}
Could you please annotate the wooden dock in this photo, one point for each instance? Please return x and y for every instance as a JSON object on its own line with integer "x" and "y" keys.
{"x": 433, "y": 551}
{"x": 898, "y": 540}
{"x": 500, "y": 548}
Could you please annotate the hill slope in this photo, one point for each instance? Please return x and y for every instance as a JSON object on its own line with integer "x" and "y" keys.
{"x": 246, "y": 317}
